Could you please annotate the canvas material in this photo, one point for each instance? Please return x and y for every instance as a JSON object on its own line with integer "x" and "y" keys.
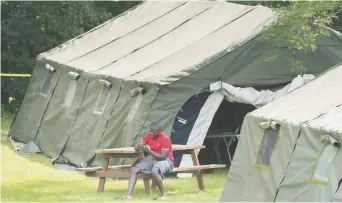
{"x": 52, "y": 124}
{"x": 220, "y": 56}
{"x": 90, "y": 125}
{"x": 293, "y": 161}
{"x": 298, "y": 185}
{"x": 27, "y": 121}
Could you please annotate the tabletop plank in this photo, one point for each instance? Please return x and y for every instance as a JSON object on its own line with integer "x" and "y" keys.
{"x": 177, "y": 147}
{"x": 131, "y": 150}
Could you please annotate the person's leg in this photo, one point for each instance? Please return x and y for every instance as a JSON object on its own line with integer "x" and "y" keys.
{"x": 146, "y": 164}
{"x": 132, "y": 180}
{"x": 158, "y": 170}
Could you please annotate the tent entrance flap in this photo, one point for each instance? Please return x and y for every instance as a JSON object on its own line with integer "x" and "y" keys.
{"x": 185, "y": 120}
{"x": 226, "y": 124}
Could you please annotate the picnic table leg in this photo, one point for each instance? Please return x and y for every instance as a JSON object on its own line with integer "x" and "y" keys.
{"x": 198, "y": 173}
{"x": 102, "y": 180}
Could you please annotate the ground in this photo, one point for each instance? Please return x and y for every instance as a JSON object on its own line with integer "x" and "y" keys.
{"x": 33, "y": 178}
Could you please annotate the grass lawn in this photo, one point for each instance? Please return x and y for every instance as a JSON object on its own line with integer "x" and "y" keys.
{"x": 33, "y": 178}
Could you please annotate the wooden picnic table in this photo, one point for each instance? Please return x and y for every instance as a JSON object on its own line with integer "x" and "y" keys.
{"x": 123, "y": 171}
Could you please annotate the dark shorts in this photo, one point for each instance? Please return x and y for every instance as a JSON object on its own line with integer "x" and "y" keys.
{"x": 149, "y": 163}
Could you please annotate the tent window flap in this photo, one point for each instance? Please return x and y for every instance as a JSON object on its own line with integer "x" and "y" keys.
{"x": 322, "y": 169}
{"x": 70, "y": 93}
{"x": 102, "y": 100}
{"x": 72, "y": 88}
{"x": 45, "y": 88}
{"x": 267, "y": 147}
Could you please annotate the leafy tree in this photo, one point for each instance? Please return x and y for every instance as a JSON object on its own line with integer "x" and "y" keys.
{"x": 300, "y": 24}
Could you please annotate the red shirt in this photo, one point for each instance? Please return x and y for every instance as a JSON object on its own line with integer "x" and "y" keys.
{"x": 161, "y": 142}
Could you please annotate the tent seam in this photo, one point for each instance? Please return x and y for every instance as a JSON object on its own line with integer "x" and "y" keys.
{"x": 153, "y": 40}
{"x": 248, "y": 11}
{"x": 126, "y": 33}
{"x": 218, "y": 58}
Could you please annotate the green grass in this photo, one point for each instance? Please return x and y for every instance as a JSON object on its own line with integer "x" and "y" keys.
{"x": 32, "y": 178}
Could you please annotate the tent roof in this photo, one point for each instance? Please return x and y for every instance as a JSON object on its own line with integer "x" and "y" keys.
{"x": 316, "y": 99}
{"x": 161, "y": 42}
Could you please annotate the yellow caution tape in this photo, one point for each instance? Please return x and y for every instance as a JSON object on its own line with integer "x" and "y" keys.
{"x": 14, "y": 75}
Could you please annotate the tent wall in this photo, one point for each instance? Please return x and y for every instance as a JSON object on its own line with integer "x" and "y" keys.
{"x": 297, "y": 185}
{"x": 61, "y": 113}
{"x": 338, "y": 195}
{"x": 128, "y": 116}
{"x": 247, "y": 181}
{"x": 113, "y": 135}
{"x": 31, "y": 112}
{"x": 90, "y": 124}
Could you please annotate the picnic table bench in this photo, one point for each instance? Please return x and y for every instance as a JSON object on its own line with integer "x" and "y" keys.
{"x": 123, "y": 171}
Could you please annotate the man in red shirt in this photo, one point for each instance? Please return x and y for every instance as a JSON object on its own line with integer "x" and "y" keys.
{"x": 159, "y": 160}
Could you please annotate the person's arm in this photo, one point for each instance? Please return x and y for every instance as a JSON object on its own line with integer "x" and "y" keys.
{"x": 159, "y": 157}
{"x": 138, "y": 146}
{"x": 166, "y": 145}
{"x": 141, "y": 144}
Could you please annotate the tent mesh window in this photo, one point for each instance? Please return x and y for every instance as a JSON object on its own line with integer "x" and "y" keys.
{"x": 268, "y": 144}
{"x": 70, "y": 93}
{"x": 102, "y": 100}
{"x": 321, "y": 172}
{"x": 45, "y": 88}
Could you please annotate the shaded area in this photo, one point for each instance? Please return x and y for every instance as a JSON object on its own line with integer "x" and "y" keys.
{"x": 228, "y": 119}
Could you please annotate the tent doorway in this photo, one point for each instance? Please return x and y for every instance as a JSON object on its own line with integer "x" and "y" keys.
{"x": 216, "y": 117}
{"x": 227, "y": 121}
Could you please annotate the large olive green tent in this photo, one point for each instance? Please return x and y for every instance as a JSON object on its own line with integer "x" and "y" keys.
{"x": 290, "y": 149}
{"x": 103, "y": 88}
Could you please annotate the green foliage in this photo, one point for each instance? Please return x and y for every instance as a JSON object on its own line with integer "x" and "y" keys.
{"x": 301, "y": 23}
{"x": 266, "y": 3}
{"x": 29, "y": 28}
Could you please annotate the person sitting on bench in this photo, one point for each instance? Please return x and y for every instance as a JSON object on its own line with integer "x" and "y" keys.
{"x": 159, "y": 159}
